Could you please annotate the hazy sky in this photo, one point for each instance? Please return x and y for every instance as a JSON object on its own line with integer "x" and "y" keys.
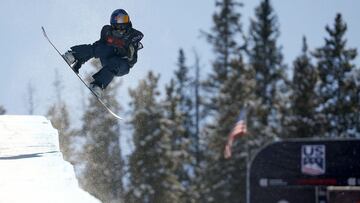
{"x": 168, "y": 25}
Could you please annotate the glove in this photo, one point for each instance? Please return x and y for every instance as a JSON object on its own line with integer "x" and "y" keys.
{"x": 127, "y": 54}
{"x": 121, "y": 51}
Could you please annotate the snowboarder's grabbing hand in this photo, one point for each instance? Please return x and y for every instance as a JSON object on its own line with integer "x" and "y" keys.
{"x": 116, "y": 49}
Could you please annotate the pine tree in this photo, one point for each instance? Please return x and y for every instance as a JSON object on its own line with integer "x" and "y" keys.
{"x": 197, "y": 108}
{"x": 227, "y": 85}
{"x": 338, "y": 89}
{"x": 303, "y": 99}
{"x": 2, "y": 110}
{"x": 58, "y": 113}
{"x": 223, "y": 37}
{"x": 265, "y": 58}
{"x": 183, "y": 93}
{"x": 103, "y": 170}
{"x": 152, "y": 163}
{"x": 173, "y": 127}
{"x": 226, "y": 28}
{"x": 179, "y": 122}
{"x": 197, "y": 147}
{"x": 31, "y": 104}
{"x": 225, "y": 179}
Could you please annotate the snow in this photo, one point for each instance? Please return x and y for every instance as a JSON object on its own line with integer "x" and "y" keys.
{"x": 32, "y": 168}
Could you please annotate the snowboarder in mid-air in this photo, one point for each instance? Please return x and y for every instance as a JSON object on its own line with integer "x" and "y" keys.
{"x": 116, "y": 49}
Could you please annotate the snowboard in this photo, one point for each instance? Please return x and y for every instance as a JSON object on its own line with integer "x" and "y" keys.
{"x": 81, "y": 79}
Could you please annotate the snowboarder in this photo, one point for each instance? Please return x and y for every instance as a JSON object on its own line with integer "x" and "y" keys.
{"x": 117, "y": 50}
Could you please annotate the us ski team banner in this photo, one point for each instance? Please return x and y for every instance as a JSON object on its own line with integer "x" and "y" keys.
{"x": 313, "y": 159}
{"x": 291, "y": 170}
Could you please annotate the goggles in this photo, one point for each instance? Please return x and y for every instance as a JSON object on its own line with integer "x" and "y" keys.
{"x": 120, "y": 19}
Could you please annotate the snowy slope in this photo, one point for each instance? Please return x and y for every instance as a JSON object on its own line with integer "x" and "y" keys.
{"x": 32, "y": 168}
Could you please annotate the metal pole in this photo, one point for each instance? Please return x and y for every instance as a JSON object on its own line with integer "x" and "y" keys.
{"x": 247, "y": 170}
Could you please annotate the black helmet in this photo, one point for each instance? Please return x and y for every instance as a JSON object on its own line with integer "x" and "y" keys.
{"x": 120, "y": 19}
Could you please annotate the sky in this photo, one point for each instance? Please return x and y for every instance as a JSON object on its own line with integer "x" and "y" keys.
{"x": 168, "y": 25}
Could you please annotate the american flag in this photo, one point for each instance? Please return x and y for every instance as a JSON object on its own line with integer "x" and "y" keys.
{"x": 238, "y": 130}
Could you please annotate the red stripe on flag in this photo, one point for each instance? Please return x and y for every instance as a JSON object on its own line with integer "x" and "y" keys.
{"x": 238, "y": 131}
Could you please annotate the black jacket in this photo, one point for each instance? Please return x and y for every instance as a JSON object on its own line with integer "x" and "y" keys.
{"x": 122, "y": 42}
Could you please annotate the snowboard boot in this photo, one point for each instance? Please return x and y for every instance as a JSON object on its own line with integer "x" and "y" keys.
{"x": 96, "y": 89}
{"x": 72, "y": 61}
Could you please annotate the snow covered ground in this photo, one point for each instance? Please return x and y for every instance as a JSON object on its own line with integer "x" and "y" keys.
{"x": 32, "y": 168}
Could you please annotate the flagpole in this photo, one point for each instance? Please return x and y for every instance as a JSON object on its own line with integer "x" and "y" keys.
{"x": 247, "y": 148}
{"x": 247, "y": 170}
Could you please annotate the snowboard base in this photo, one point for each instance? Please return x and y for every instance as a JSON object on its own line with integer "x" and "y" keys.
{"x": 81, "y": 79}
